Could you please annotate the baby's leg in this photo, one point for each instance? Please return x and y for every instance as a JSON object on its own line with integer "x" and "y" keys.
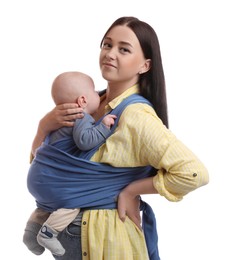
{"x": 34, "y": 223}
{"x": 57, "y": 221}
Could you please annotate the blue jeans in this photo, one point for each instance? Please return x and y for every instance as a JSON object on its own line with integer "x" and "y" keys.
{"x": 70, "y": 238}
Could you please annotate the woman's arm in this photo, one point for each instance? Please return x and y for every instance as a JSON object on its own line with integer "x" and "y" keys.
{"x": 61, "y": 115}
{"x": 179, "y": 171}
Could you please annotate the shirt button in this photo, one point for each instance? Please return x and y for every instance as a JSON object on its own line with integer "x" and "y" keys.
{"x": 194, "y": 174}
{"x": 84, "y": 222}
{"x": 84, "y": 254}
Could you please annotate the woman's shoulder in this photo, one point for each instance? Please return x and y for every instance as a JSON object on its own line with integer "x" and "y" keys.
{"x": 139, "y": 115}
{"x": 140, "y": 109}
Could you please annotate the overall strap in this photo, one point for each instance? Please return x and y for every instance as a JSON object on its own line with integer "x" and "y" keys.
{"x": 134, "y": 98}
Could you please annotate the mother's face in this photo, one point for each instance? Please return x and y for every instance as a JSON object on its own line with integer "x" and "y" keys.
{"x": 121, "y": 56}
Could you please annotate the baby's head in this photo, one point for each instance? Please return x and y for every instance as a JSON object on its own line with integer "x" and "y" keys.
{"x": 75, "y": 87}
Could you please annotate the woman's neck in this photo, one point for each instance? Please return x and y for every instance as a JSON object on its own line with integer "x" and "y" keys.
{"x": 112, "y": 91}
{"x": 115, "y": 90}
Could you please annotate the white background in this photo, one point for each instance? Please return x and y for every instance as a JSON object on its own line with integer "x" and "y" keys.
{"x": 40, "y": 39}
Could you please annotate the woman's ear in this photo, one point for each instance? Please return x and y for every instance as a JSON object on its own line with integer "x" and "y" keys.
{"x": 82, "y": 101}
{"x": 146, "y": 66}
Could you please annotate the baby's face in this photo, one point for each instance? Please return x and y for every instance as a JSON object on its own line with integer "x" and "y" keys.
{"x": 93, "y": 102}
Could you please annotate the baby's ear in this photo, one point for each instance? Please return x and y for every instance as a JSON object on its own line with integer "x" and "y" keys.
{"x": 82, "y": 101}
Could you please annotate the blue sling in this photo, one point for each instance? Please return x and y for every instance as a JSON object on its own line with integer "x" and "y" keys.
{"x": 58, "y": 179}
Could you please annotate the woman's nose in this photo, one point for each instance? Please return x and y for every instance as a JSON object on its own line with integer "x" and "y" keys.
{"x": 111, "y": 54}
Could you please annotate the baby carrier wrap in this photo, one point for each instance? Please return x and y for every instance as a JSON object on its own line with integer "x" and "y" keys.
{"x": 58, "y": 179}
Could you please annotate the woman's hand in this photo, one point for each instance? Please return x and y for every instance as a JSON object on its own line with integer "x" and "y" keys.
{"x": 129, "y": 199}
{"x": 61, "y": 115}
{"x": 129, "y": 205}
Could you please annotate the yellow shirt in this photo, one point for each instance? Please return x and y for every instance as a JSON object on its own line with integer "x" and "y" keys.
{"x": 140, "y": 139}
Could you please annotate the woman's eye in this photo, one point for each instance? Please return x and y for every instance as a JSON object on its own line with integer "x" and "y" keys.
{"x": 124, "y": 50}
{"x": 106, "y": 45}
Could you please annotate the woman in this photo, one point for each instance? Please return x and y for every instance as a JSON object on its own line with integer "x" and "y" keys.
{"x": 130, "y": 62}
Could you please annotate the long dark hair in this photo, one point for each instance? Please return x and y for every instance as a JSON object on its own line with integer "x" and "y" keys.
{"x": 151, "y": 83}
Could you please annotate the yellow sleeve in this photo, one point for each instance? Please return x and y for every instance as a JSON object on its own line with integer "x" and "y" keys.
{"x": 180, "y": 172}
{"x": 179, "y": 169}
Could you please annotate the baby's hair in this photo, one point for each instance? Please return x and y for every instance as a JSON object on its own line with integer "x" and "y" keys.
{"x": 68, "y": 86}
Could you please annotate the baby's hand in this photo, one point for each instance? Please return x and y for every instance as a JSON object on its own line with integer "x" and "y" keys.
{"x": 109, "y": 120}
